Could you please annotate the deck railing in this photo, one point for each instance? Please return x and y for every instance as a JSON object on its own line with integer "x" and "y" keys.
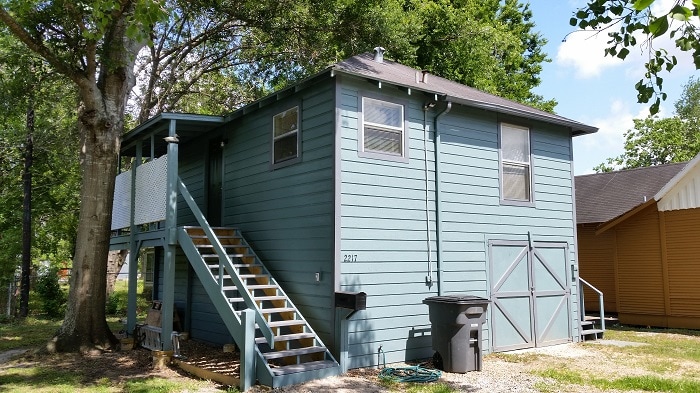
{"x": 149, "y": 195}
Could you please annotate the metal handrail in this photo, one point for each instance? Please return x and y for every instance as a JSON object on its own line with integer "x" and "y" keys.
{"x": 225, "y": 263}
{"x": 600, "y": 300}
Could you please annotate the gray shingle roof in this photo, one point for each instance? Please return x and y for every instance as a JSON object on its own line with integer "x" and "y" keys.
{"x": 397, "y": 74}
{"x": 601, "y": 197}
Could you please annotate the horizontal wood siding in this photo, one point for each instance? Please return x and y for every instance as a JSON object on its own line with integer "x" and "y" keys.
{"x": 639, "y": 272}
{"x": 596, "y": 259}
{"x": 683, "y": 256}
{"x": 384, "y": 236}
{"x": 287, "y": 213}
{"x": 472, "y": 213}
{"x": 192, "y": 171}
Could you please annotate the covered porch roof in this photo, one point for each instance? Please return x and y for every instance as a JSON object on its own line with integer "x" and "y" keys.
{"x": 152, "y": 132}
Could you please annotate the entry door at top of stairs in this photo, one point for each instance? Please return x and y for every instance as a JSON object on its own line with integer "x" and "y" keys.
{"x": 215, "y": 181}
{"x": 530, "y": 294}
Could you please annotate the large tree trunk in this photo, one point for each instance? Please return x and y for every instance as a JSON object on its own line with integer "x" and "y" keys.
{"x": 101, "y": 122}
{"x": 115, "y": 261}
{"x": 84, "y": 326}
{"x": 102, "y": 69}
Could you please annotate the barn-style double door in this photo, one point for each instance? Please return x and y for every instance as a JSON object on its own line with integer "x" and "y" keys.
{"x": 530, "y": 294}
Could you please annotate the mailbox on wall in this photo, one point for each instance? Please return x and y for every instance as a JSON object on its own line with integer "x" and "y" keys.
{"x": 356, "y": 301}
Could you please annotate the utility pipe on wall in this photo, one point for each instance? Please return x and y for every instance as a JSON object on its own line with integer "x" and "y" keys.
{"x": 429, "y": 277}
{"x": 438, "y": 197}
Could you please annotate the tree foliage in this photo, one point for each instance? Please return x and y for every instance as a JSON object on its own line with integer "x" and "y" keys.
{"x": 25, "y": 78}
{"x": 214, "y": 56}
{"x": 656, "y": 141}
{"x": 631, "y": 23}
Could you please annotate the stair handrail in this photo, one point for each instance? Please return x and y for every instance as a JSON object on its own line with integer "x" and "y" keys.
{"x": 600, "y": 301}
{"x": 225, "y": 262}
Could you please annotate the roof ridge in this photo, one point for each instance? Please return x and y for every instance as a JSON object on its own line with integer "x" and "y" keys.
{"x": 642, "y": 168}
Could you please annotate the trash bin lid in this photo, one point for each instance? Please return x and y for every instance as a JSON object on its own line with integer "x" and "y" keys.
{"x": 456, "y": 299}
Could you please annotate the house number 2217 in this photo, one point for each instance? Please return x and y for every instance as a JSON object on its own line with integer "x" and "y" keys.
{"x": 349, "y": 257}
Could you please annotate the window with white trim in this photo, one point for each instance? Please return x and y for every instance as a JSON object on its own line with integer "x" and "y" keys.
{"x": 285, "y": 135}
{"x": 515, "y": 163}
{"x": 382, "y": 127}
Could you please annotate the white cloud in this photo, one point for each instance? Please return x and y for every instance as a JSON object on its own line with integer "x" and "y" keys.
{"x": 584, "y": 50}
{"x": 591, "y": 150}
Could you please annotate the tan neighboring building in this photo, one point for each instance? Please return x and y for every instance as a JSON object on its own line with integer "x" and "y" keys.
{"x": 639, "y": 243}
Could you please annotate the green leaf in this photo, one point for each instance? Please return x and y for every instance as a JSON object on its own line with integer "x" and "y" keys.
{"x": 641, "y": 4}
{"x": 623, "y": 53}
{"x": 681, "y": 13}
{"x": 654, "y": 108}
{"x": 573, "y": 21}
{"x": 658, "y": 26}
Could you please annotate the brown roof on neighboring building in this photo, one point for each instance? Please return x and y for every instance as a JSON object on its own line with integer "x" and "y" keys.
{"x": 397, "y": 74}
{"x": 600, "y": 197}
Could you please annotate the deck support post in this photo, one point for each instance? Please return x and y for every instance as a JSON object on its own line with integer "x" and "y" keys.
{"x": 247, "y": 350}
{"x": 134, "y": 246}
{"x": 168, "y": 304}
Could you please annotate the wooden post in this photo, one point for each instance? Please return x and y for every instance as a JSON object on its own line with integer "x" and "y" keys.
{"x": 134, "y": 246}
{"x": 247, "y": 349}
{"x": 171, "y": 240}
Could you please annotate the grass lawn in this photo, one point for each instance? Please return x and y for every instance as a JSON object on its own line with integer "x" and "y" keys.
{"x": 665, "y": 360}
{"x": 128, "y": 371}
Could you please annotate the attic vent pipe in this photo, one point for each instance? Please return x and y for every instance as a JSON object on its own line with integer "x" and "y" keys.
{"x": 379, "y": 54}
{"x": 422, "y": 76}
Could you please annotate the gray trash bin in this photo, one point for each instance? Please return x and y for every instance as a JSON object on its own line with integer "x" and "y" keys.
{"x": 456, "y": 324}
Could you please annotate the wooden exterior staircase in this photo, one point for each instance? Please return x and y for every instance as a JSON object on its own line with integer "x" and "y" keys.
{"x": 287, "y": 350}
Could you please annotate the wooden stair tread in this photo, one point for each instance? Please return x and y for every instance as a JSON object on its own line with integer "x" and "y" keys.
{"x": 253, "y": 275}
{"x": 261, "y": 286}
{"x": 208, "y": 256}
{"x": 223, "y": 245}
{"x": 309, "y": 366}
{"x": 286, "y": 337}
{"x": 256, "y": 298}
{"x": 289, "y": 322}
{"x": 276, "y": 310}
{"x": 293, "y": 352}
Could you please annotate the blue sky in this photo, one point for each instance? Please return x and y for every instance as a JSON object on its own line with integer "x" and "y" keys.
{"x": 595, "y": 89}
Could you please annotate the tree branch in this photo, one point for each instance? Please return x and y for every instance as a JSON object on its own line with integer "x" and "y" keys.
{"x": 39, "y": 48}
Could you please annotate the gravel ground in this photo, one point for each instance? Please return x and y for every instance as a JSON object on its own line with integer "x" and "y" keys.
{"x": 497, "y": 376}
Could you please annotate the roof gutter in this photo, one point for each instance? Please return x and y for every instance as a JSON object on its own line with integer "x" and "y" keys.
{"x": 576, "y": 128}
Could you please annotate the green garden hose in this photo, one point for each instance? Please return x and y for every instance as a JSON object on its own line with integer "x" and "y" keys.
{"x": 410, "y": 374}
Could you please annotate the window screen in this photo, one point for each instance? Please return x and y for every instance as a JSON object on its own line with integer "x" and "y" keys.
{"x": 383, "y": 124}
{"x": 515, "y": 163}
{"x": 285, "y": 135}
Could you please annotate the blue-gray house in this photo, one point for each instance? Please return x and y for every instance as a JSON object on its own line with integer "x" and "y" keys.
{"x": 367, "y": 177}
